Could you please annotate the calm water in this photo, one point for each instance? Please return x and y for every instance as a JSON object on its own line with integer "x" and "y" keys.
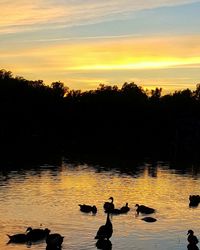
{"x": 49, "y": 196}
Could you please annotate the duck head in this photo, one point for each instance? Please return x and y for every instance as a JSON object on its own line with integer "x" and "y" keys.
{"x": 191, "y": 232}
{"x": 94, "y": 209}
{"x": 29, "y": 229}
{"x": 111, "y": 198}
{"x": 47, "y": 231}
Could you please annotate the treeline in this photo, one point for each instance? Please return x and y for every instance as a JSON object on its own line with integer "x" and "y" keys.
{"x": 109, "y": 119}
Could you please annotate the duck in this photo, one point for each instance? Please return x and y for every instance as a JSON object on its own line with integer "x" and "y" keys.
{"x": 37, "y": 234}
{"x": 194, "y": 200}
{"x": 125, "y": 209}
{"x": 17, "y": 238}
{"x": 144, "y": 209}
{"x": 87, "y": 208}
{"x": 192, "y": 239}
{"x": 149, "y": 219}
{"x": 109, "y": 206}
{"x": 54, "y": 241}
{"x": 105, "y": 231}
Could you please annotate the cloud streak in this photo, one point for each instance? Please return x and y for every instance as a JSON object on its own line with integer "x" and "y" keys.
{"x": 21, "y": 15}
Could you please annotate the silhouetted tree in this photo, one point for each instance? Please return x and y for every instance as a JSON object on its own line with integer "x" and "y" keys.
{"x": 59, "y": 89}
{"x": 156, "y": 94}
{"x": 125, "y": 119}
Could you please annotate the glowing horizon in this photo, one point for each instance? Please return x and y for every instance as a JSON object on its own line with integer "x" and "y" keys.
{"x": 86, "y": 43}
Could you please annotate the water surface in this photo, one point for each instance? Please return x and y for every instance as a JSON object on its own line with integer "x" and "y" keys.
{"x": 48, "y": 196}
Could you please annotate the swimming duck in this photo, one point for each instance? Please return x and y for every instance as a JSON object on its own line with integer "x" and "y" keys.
{"x": 88, "y": 208}
{"x": 149, "y": 219}
{"x": 144, "y": 210}
{"x": 105, "y": 231}
{"x": 54, "y": 241}
{"x": 191, "y": 237}
{"x": 109, "y": 206}
{"x": 125, "y": 209}
{"x": 37, "y": 234}
{"x": 17, "y": 238}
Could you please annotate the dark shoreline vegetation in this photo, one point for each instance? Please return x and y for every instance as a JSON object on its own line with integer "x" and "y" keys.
{"x": 126, "y": 121}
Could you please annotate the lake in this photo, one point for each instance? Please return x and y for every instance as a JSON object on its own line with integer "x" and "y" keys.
{"x": 48, "y": 196}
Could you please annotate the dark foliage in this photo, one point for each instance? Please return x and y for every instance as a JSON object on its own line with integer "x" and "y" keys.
{"x": 108, "y": 119}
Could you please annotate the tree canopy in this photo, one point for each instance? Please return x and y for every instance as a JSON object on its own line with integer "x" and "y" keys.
{"x": 127, "y": 119}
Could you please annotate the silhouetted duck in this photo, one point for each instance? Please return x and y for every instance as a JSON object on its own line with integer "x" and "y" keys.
{"x": 194, "y": 200}
{"x": 109, "y": 206}
{"x": 193, "y": 241}
{"x": 17, "y": 238}
{"x": 54, "y": 241}
{"x": 144, "y": 210}
{"x": 87, "y": 208}
{"x": 149, "y": 219}
{"x": 37, "y": 234}
{"x": 105, "y": 231}
{"x": 104, "y": 244}
{"x": 125, "y": 209}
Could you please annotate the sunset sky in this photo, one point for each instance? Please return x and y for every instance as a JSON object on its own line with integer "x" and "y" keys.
{"x": 86, "y": 42}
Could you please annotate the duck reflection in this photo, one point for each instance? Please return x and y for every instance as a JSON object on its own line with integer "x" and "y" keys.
{"x": 104, "y": 244}
{"x": 153, "y": 170}
{"x": 53, "y": 248}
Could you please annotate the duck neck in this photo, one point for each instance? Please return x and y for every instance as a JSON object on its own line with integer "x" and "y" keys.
{"x": 108, "y": 218}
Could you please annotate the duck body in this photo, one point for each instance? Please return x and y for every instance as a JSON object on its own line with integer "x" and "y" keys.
{"x": 124, "y": 209}
{"x": 149, "y": 219}
{"x": 87, "y": 208}
{"x": 17, "y": 238}
{"x": 104, "y": 244}
{"x": 144, "y": 209}
{"x": 109, "y": 206}
{"x": 192, "y": 247}
{"x": 54, "y": 241}
{"x": 37, "y": 234}
{"x": 105, "y": 231}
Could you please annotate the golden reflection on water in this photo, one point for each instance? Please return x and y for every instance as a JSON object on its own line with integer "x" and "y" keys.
{"x": 49, "y": 198}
